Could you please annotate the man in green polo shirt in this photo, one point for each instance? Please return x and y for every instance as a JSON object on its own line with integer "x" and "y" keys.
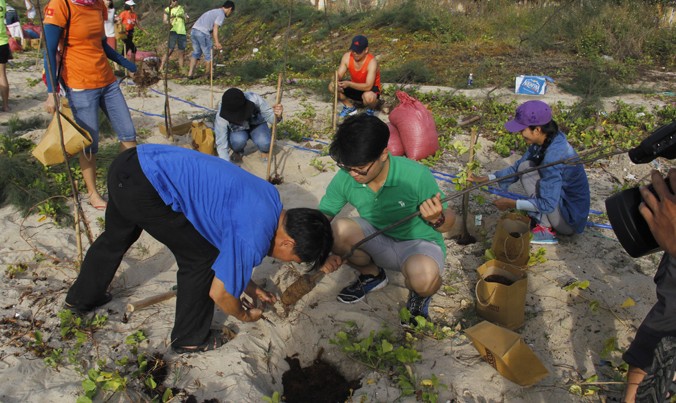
{"x": 175, "y": 16}
{"x": 384, "y": 189}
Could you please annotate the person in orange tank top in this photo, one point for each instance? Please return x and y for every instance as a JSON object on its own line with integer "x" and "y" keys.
{"x": 364, "y": 83}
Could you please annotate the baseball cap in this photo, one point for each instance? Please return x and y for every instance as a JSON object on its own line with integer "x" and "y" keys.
{"x": 130, "y": 3}
{"x": 530, "y": 113}
{"x": 359, "y": 43}
{"x": 235, "y": 108}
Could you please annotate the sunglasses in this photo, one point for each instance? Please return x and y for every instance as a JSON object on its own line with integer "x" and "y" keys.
{"x": 355, "y": 170}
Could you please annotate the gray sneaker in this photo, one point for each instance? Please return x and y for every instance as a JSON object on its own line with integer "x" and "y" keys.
{"x": 366, "y": 283}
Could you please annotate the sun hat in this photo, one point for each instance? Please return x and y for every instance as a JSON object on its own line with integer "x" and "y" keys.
{"x": 130, "y": 3}
{"x": 359, "y": 43}
{"x": 235, "y": 107}
{"x": 530, "y": 113}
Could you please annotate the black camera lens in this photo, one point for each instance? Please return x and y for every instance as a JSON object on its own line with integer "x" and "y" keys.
{"x": 628, "y": 224}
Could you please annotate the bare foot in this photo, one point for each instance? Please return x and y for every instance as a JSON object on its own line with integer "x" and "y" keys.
{"x": 6, "y": 108}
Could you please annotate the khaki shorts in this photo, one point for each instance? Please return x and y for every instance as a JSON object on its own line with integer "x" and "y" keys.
{"x": 391, "y": 254}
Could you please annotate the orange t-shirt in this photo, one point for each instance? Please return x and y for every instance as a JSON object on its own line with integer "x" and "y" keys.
{"x": 129, "y": 19}
{"x": 85, "y": 65}
{"x": 359, "y": 76}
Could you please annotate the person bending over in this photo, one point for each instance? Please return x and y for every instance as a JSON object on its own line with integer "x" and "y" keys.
{"x": 218, "y": 220}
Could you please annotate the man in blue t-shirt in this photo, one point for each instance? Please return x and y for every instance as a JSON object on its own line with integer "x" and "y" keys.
{"x": 218, "y": 220}
{"x": 204, "y": 35}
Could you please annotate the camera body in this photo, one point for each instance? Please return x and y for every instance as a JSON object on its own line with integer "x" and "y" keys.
{"x": 628, "y": 224}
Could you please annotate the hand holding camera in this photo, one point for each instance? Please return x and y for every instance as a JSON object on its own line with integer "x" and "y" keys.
{"x": 659, "y": 209}
{"x": 629, "y": 211}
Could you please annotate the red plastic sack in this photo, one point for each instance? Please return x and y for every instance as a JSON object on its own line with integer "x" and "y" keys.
{"x": 142, "y": 55}
{"x": 394, "y": 143}
{"x": 32, "y": 27}
{"x": 416, "y": 127}
{"x": 14, "y": 45}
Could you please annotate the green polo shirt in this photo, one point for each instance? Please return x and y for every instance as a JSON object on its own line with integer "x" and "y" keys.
{"x": 408, "y": 184}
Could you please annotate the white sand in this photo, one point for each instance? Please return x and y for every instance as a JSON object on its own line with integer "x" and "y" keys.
{"x": 560, "y": 328}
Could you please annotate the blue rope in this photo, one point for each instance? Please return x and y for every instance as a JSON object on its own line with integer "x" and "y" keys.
{"x": 183, "y": 100}
{"x": 437, "y": 174}
{"x": 146, "y": 113}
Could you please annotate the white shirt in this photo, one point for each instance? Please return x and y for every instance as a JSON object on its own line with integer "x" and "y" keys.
{"x": 109, "y": 25}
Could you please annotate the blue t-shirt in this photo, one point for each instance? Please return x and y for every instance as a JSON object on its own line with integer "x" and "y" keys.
{"x": 234, "y": 210}
{"x": 207, "y": 20}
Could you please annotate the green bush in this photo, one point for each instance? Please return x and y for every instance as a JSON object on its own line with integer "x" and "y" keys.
{"x": 414, "y": 71}
{"x": 410, "y": 16}
{"x": 253, "y": 70}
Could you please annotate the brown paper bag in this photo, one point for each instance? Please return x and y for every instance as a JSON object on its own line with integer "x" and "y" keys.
{"x": 505, "y": 351}
{"x": 120, "y": 31}
{"x": 511, "y": 242}
{"x": 203, "y": 139}
{"x": 75, "y": 139}
{"x": 501, "y": 293}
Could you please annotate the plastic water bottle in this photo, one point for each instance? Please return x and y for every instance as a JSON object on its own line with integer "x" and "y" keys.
{"x": 470, "y": 80}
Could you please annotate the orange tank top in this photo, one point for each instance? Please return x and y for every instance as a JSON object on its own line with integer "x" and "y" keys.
{"x": 359, "y": 76}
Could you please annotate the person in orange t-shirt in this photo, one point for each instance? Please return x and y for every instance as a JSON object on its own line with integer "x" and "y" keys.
{"x": 130, "y": 21}
{"x": 364, "y": 84}
{"x": 86, "y": 78}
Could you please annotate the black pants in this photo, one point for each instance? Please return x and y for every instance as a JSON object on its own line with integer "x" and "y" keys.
{"x": 129, "y": 43}
{"x": 660, "y": 321}
{"x": 135, "y": 206}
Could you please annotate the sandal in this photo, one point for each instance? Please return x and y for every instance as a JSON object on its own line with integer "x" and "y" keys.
{"x": 215, "y": 339}
{"x": 76, "y": 310}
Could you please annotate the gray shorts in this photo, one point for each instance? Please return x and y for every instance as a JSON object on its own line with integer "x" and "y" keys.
{"x": 391, "y": 254}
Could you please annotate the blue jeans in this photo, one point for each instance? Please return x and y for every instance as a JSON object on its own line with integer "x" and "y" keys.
{"x": 201, "y": 44}
{"x": 260, "y": 135}
{"x": 85, "y": 105}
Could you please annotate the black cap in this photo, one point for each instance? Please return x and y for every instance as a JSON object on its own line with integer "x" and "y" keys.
{"x": 359, "y": 43}
{"x": 235, "y": 107}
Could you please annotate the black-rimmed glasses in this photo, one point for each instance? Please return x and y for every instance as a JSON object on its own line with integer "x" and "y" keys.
{"x": 355, "y": 170}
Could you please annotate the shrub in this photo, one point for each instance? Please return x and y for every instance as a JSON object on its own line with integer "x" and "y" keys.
{"x": 413, "y": 71}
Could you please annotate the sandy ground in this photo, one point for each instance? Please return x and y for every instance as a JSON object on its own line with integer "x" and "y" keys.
{"x": 566, "y": 330}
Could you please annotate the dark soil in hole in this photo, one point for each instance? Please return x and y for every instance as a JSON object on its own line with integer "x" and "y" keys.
{"x": 496, "y": 278}
{"x": 320, "y": 382}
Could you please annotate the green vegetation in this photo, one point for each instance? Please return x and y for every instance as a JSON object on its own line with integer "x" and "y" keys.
{"x": 131, "y": 371}
{"x": 31, "y": 187}
{"x": 391, "y": 355}
{"x": 593, "y": 48}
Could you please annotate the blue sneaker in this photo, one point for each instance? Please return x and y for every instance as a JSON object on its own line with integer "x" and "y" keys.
{"x": 418, "y": 306}
{"x": 543, "y": 236}
{"x": 370, "y": 112}
{"x": 366, "y": 283}
{"x": 347, "y": 111}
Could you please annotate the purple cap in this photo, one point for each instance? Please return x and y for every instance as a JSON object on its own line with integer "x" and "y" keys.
{"x": 359, "y": 43}
{"x": 530, "y": 113}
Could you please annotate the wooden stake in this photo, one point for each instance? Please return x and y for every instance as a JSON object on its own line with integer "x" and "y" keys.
{"x": 465, "y": 238}
{"x": 334, "y": 120}
{"x": 278, "y": 100}
{"x": 211, "y": 78}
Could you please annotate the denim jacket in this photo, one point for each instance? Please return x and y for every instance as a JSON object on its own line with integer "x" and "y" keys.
{"x": 263, "y": 113}
{"x": 560, "y": 185}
